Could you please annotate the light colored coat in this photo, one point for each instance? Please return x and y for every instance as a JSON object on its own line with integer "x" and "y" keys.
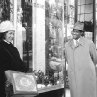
{"x": 81, "y": 67}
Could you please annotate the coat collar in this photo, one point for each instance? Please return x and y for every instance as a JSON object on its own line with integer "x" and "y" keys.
{"x": 6, "y": 41}
{"x": 81, "y": 42}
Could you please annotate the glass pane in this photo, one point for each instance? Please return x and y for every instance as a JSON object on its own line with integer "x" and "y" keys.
{"x": 54, "y": 36}
{"x": 89, "y": 8}
{"x": 89, "y": 1}
{"x": 96, "y": 6}
{"x": 27, "y": 34}
{"x": 5, "y": 6}
{"x": 39, "y": 35}
{"x": 82, "y": 2}
{"x": 82, "y": 9}
{"x": 48, "y": 41}
{"x": 71, "y": 2}
{"x": 96, "y": 15}
{"x": 79, "y": 9}
{"x": 82, "y": 17}
{"x": 79, "y": 2}
{"x": 88, "y": 17}
{"x": 78, "y": 17}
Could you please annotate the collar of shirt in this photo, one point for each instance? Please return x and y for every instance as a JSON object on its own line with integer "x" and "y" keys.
{"x": 75, "y": 41}
{"x": 81, "y": 42}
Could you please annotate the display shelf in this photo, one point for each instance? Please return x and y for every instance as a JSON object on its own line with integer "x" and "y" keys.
{"x": 50, "y": 88}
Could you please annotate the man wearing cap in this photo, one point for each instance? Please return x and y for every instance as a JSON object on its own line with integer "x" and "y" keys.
{"x": 9, "y": 55}
{"x": 81, "y": 56}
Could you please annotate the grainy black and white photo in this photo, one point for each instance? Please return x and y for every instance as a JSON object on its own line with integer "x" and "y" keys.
{"x": 48, "y": 48}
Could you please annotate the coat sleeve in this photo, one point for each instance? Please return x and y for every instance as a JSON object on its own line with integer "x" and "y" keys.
{"x": 11, "y": 62}
{"x": 93, "y": 53}
{"x": 21, "y": 66}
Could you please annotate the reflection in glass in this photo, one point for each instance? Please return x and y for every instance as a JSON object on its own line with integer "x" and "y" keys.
{"x": 89, "y": 1}
{"x": 89, "y": 8}
{"x": 79, "y": 9}
{"x": 88, "y": 17}
{"x": 27, "y": 42}
{"x": 82, "y": 1}
{"x": 82, "y": 17}
{"x": 82, "y": 8}
{"x": 53, "y": 39}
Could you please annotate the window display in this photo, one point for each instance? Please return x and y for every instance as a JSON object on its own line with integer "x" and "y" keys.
{"x": 27, "y": 33}
{"x": 43, "y": 40}
{"x": 43, "y": 45}
{"x": 53, "y": 42}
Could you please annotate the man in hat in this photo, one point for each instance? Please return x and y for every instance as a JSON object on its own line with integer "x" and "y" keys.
{"x": 81, "y": 56}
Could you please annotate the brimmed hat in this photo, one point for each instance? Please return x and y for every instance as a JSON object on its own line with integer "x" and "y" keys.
{"x": 79, "y": 26}
{"x": 6, "y": 26}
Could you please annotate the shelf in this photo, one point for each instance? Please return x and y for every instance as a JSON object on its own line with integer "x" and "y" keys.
{"x": 50, "y": 88}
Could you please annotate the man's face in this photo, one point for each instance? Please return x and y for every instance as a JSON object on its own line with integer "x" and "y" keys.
{"x": 76, "y": 34}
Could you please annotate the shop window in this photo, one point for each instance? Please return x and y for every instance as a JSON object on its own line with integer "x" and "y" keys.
{"x": 79, "y": 9}
{"x": 85, "y": 8}
{"x": 5, "y": 9}
{"x": 48, "y": 42}
{"x": 82, "y": 2}
{"x": 89, "y": 8}
{"x": 79, "y": 2}
{"x": 27, "y": 39}
{"x": 81, "y": 17}
{"x": 82, "y": 9}
{"x": 78, "y": 17}
{"x": 88, "y": 26}
{"x": 44, "y": 38}
{"x": 88, "y": 17}
{"x": 85, "y": 14}
{"x": 89, "y": 1}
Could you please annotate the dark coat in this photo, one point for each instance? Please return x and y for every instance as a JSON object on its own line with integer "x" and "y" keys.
{"x": 9, "y": 60}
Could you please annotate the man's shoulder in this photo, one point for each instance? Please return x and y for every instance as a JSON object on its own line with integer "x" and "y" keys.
{"x": 87, "y": 41}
